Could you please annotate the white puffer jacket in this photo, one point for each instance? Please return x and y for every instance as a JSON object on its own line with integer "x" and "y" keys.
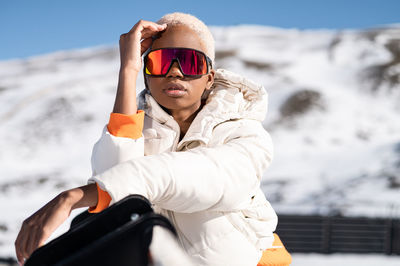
{"x": 207, "y": 184}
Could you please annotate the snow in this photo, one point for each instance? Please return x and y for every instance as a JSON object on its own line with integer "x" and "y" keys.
{"x": 343, "y": 260}
{"x": 341, "y": 155}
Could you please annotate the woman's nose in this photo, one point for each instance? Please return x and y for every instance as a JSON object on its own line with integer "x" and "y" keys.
{"x": 175, "y": 71}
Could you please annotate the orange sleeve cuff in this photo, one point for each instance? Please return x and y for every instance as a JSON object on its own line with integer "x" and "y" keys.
{"x": 126, "y": 126}
{"x": 103, "y": 201}
{"x": 277, "y": 255}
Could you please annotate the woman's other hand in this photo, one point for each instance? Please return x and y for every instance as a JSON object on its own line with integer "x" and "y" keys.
{"x": 134, "y": 43}
{"x": 38, "y": 227}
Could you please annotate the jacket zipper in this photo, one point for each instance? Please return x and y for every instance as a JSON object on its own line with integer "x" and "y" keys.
{"x": 171, "y": 214}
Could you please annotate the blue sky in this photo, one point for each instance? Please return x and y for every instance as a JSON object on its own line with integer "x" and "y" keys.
{"x": 41, "y": 26}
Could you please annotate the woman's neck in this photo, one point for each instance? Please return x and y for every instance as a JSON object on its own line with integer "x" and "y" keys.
{"x": 184, "y": 118}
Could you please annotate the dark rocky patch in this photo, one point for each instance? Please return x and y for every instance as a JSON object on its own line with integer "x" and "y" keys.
{"x": 87, "y": 118}
{"x": 263, "y": 66}
{"x": 48, "y": 125}
{"x": 333, "y": 44}
{"x": 274, "y": 190}
{"x": 363, "y": 135}
{"x": 3, "y": 228}
{"x": 301, "y": 102}
{"x": 394, "y": 181}
{"x": 222, "y": 54}
{"x": 31, "y": 182}
{"x": 381, "y": 74}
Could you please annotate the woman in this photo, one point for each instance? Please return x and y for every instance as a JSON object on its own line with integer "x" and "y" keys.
{"x": 196, "y": 148}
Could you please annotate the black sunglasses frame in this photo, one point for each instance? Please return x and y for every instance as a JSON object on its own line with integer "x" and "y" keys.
{"x": 145, "y": 58}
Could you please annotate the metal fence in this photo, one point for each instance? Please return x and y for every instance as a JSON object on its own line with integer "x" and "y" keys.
{"x": 339, "y": 234}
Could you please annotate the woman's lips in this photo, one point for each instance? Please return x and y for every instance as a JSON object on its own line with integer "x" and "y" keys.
{"x": 175, "y": 90}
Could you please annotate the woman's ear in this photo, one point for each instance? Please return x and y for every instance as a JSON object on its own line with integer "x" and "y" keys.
{"x": 209, "y": 83}
{"x": 210, "y": 80}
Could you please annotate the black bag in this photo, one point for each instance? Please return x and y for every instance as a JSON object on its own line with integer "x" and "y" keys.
{"x": 119, "y": 235}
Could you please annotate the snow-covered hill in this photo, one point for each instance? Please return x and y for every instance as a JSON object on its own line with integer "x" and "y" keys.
{"x": 334, "y": 118}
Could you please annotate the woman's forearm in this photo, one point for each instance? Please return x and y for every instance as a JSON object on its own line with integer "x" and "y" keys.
{"x": 85, "y": 196}
{"x": 125, "y": 101}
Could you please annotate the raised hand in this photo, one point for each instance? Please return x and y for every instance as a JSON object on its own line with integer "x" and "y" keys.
{"x": 134, "y": 43}
{"x": 131, "y": 46}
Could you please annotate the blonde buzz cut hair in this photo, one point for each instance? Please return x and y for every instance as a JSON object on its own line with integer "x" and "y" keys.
{"x": 194, "y": 24}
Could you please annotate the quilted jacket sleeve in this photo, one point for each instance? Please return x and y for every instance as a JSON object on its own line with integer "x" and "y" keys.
{"x": 219, "y": 178}
{"x": 120, "y": 141}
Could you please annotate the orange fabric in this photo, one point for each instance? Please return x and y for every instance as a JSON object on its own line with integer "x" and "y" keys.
{"x": 126, "y": 126}
{"x": 103, "y": 200}
{"x": 120, "y": 125}
{"x": 275, "y": 256}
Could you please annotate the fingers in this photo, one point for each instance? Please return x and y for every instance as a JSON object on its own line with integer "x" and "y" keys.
{"x": 39, "y": 226}
{"x": 18, "y": 247}
{"x": 148, "y": 25}
{"x": 145, "y": 45}
{"x": 23, "y": 243}
{"x": 148, "y": 32}
{"x": 29, "y": 239}
{"x": 145, "y": 29}
{"x": 135, "y": 42}
{"x": 33, "y": 241}
{"x": 142, "y": 31}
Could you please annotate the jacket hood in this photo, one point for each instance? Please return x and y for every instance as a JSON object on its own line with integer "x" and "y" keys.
{"x": 234, "y": 96}
{"x": 231, "y": 97}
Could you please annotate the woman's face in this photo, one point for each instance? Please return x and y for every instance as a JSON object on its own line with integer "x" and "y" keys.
{"x": 174, "y": 91}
